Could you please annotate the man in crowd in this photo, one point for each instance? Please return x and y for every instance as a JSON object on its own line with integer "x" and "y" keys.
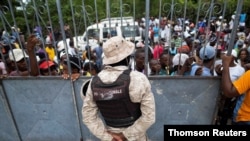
{"x": 240, "y": 88}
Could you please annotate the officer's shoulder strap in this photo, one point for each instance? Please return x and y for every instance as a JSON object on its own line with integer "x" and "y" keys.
{"x": 124, "y": 76}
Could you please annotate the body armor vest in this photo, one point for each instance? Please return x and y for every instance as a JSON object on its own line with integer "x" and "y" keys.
{"x": 114, "y": 102}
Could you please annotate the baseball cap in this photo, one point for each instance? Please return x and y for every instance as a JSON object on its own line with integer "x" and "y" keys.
{"x": 207, "y": 52}
{"x": 179, "y": 59}
{"x": 46, "y": 64}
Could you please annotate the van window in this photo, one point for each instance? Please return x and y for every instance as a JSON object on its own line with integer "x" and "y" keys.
{"x": 93, "y": 34}
{"x": 109, "y": 32}
{"x": 128, "y": 31}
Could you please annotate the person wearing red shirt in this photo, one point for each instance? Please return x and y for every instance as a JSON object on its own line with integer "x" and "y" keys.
{"x": 158, "y": 50}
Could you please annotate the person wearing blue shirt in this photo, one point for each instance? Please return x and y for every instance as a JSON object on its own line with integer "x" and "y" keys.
{"x": 207, "y": 54}
{"x": 98, "y": 53}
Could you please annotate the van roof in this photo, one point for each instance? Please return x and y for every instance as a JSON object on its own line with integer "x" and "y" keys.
{"x": 118, "y": 19}
{"x": 113, "y": 23}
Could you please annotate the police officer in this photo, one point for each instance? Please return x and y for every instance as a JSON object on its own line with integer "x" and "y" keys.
{"x": 123, "y": 97}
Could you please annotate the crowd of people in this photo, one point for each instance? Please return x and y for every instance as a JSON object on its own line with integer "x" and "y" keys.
{"x": 196, "y": 49}
{"x": 48, "y": 56}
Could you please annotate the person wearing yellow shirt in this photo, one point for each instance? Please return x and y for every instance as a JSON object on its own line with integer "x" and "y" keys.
{"x": 240, "y": 88}
{"x": 50, "y": 49}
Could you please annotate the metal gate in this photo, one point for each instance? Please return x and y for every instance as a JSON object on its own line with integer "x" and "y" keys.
{"x": 38, "y": 109}
{"x": 49, "y": 108}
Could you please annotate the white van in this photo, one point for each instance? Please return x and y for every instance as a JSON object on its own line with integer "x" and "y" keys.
{"x": 100, "y": 32}
{"x": 129, "y": 29}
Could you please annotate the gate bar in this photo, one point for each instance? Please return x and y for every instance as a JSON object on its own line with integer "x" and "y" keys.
{"x": 235, "y": 27}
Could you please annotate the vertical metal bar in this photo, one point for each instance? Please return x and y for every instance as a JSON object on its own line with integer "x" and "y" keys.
{"x": 42, "y": 39}
{"x": 85, "y": 22}
{"x": 171, "y": 26}
{"x": 6, "y": 21}
{"x": 171, "y": 18}
{"x": 74, "y": 23}
{"x": 109, "y": 13}
{"x": 79, "y": 62}
{"x": 160, "y": 3}
{"x": 3, "y": 58}
{"x": 183, "y": 23}
{"x": 74, "y": 26}
{"x": 235, "y": 26}
{"x": 121, "y": 11}
{"x": 18, "y": 37}
{"x": 25, "y": 16}
{"x": 183, "y": 32}
{"x": 5, "y": 28}
{"x": 134, "y": 19}
{"x": 15, "y": 24}
{"x": 96, "y": 18}
{"x": 196, "y": 25}
{"x": 146, "y": 37}
{"x": 107, "y": 9}
{"x": 47, "y": 6}
{"x": 43, "y": 22}
{"x": 53, "y": 35}
{"x": 58, "y": 3}
{"x": 223, "y": 14}
{"x": 208, "y": 25}
{"x": 159, "y": 25}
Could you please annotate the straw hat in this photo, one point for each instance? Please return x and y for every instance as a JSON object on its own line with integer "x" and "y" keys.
{"x": 116, "y": 49}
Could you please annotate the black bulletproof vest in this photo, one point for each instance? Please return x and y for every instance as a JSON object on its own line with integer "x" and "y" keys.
{"x": 114, "y": 102}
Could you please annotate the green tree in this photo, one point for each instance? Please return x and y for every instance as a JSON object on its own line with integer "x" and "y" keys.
{"x": 40, "y": 14}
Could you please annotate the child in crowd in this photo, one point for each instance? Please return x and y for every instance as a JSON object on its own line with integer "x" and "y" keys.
{"x": 90, "y": 69}
{"x": 155, "y": 66}
{"x": 178, "y": 62}
{"x": 47, "y": 68}
{"x": 166, "y": 64}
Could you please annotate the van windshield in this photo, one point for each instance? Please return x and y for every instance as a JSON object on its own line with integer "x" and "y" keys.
{"x": 130, "y": 31}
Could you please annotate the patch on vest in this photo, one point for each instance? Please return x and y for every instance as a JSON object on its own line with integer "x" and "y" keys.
{"x": 108, "y": 94}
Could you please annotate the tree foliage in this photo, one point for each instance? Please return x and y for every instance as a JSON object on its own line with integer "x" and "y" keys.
{"x": 38, "y": 13}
